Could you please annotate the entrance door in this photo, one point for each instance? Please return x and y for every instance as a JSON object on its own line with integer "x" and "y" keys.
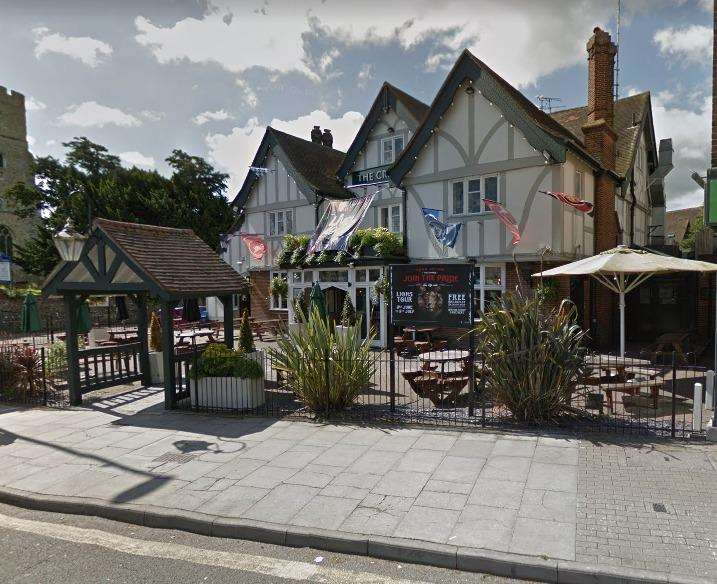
{"x": 334, "y": 299}
{"x": 369, "y": 309}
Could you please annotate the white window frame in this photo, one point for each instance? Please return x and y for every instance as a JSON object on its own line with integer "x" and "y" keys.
{"x": 283, "y": 302}
{"x": 389, "y": 209}
{"x": 579, "y": 181}
{"x": 287, "y": 216}
{"x": 480, "y": 287}
{"x": 392, "y": 140}
{"x": 465, "y": 182}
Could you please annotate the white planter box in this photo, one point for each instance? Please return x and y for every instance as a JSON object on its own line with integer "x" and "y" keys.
{"x": 156, "y": 367}
{"x": 227, "y": 393}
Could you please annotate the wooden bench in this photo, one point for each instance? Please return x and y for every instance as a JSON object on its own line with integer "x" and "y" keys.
{"x": 632, "y": 388}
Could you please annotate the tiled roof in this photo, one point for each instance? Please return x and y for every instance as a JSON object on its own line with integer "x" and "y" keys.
{"x": 316, "y": 163}
{"x": 677, "y": 221}
{"x": 629, "y": 113}
{"x": 417, "y": 108}
{"x": 175, "y": 260}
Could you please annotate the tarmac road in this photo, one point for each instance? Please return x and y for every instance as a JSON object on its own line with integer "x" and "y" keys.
{"x": 48, "y": 548}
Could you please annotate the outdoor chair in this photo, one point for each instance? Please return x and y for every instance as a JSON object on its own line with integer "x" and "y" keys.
{"x": 422, "y": 346}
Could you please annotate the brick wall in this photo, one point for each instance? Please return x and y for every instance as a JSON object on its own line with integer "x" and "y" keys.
{"x": 259, "y": 297}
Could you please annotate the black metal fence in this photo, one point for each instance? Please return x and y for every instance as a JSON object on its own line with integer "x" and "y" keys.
{"x": 35, "y": 376}
{"x": 641, "y": 394}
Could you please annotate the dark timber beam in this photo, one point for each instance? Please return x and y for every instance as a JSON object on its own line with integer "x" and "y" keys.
{"x": 141, "y": 303}
{"x": 168, "y": 353}
{"x": 73, "y": 365}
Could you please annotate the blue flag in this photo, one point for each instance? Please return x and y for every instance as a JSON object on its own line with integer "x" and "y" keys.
{"x": 444, "y": 234}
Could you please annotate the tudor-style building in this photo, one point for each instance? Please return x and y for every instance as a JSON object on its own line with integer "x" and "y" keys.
{"x": 480, "y": 137}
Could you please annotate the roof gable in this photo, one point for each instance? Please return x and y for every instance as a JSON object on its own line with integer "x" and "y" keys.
{"x": 542, "y": 132}
{"x": 633, "y": 115}
{"x": 386, "y": 99}
{"x": 313, "y": 166}
{"x": 129, "y": 257}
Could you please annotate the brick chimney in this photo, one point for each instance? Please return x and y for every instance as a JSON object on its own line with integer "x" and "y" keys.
{"x": 327, "y": 139}
{"x": 600, "y": 139}
{"x": 316, "y": 135}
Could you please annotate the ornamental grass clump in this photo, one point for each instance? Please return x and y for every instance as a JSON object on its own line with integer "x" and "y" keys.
{"x": 534, "y": 356}
{"x": 325, "y": 370}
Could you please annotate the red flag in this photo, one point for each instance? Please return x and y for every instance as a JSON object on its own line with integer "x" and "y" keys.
{"x": 505, "y": 218}
{"x": 255, "y": 245}
{"x": 574, "y": 202}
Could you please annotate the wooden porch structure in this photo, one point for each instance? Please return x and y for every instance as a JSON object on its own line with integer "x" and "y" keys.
{"x": 142, "y": 262}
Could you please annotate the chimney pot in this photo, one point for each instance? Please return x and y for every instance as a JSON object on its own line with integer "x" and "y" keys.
{"x": 316, "y": 135}
{"x": 601, "y": 75}
{"x": 327, "y": 139}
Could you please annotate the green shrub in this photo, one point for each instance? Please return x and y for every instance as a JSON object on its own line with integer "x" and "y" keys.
{"x": 56, "y": 360}
{"x": 534, "y": 356}
{"x": 385, "y": 243}
{"x": 218, "y": 360}
{"x": 246, "y": 338}
{"x": 9, "y": 374}
{"x": 278, "y": 286}
{"x": 348, "y": 312}
{"x": 326, "y": 371}
{"x": 29, "y": 363}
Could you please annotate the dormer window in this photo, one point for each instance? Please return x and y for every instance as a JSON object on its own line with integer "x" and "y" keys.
{"x": 390, "y": 149}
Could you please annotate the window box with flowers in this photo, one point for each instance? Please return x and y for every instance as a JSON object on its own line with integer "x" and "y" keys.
{"x": 278, "y": 291}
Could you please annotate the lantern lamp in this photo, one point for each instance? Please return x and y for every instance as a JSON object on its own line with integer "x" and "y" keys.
{"x": 69, "y": 242}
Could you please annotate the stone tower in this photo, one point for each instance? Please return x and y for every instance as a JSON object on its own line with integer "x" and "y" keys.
{"x": 15, "y": 166}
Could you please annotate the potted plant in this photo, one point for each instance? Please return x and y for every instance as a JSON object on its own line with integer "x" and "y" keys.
{"x": 224, "y": 378}
{"x": 278, "y": 287}
{"x": 246, "y": 340}
{"x": 156, "y": 362}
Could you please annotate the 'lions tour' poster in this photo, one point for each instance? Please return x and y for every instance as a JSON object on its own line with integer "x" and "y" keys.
{"x": 432, "y": 294}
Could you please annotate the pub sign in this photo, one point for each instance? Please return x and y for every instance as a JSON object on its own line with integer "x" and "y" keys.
{"x": 432, "y": 294}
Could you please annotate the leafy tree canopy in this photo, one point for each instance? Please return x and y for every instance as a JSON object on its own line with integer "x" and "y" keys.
{"x": 192, "y": 197}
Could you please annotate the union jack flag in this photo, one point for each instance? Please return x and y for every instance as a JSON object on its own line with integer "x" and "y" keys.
{"x": 505, "y": 218}
{"x": 574, "y": 202}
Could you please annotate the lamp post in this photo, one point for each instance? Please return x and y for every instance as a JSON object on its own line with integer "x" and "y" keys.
{"x": 69, "y": 242}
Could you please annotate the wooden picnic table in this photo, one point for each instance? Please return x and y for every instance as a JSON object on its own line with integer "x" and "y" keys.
{"x": 421, "y": 330}
{"x": 672, "y": 341}
{"x": 260, "y": 327}
{"x": 440, "y": 387}
{"x": 189, "y": 336}
{"x": 126, "y": 335}
{"x": 621, "y": 381}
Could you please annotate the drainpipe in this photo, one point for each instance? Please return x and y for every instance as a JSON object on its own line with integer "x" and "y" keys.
{"x": 632, "y": 207}
{"x": 405, "y": 218}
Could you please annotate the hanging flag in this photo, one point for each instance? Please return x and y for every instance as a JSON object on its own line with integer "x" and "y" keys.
{"x": 574, "y": 202}
{"x": 255, "y": 244}
{"x": 339, "y": 221}
{"x": 260, "y": 170}
{"x": 505, "y": 218}
{"x": 444, "y": 234}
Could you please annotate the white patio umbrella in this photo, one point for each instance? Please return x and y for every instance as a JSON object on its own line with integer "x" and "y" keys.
{"x": 622, "y": 269}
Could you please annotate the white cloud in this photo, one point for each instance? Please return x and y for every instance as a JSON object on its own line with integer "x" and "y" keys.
{"x": 86, "y": 49}
{"x": 690, "y": 133}
{"x": 134, "y": 158}
{"x": 30, "y": 141}
{"x": 544, "y": 36}
{"x": 92, "y": 114}
{"x": 691, "y": 43}
{"x": 152, "y": 116}
{"x": 32, "y": 104}
{"x": 235, "y": 151}
{"x": 210, "y": 116}
{"x": 250, "y": 98}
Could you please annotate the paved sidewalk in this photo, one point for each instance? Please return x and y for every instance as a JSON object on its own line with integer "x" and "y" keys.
{"x": 634, "y": 505}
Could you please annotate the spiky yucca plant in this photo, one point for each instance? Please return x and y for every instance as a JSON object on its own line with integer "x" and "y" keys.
{"x": 326, "y": 371}
{"x": 534, "y": 356}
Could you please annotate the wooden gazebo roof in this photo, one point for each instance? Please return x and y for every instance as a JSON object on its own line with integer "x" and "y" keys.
{"x": 130, "y": 258}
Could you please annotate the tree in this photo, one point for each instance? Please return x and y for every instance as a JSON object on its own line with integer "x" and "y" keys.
{"x": 155, "y": 333}
{"x": 348, "y": 313}
{"x": 246, "y": 338}
{"x": 91, "y": 180}
{"x": 687, "y": 244}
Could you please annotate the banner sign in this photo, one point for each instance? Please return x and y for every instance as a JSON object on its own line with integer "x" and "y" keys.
{"x": 370, "y": 175}
{"x": 5, "y": 269}
{"x": 444, "y": 234}
{"x": 440, "y": 295}
{"x": 338, "y": 223}
{"x": 574, "y": 202}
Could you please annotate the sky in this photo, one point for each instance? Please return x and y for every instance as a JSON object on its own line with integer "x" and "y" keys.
{"x": 143, "y": 78}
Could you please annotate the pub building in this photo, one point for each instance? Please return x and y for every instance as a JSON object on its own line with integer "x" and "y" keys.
{"x": 479, "y": 139}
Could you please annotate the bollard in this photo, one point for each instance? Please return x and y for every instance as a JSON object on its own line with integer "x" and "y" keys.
{"x": 697, "y": 408}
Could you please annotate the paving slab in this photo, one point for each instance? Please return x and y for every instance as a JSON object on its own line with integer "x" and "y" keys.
{"x": 401, "y": 483}
{"x": 325, "y": 512}
{"x": 427, "y": 524}
{"x": 484, "y": 527}
{"x": 553, "y": 539}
